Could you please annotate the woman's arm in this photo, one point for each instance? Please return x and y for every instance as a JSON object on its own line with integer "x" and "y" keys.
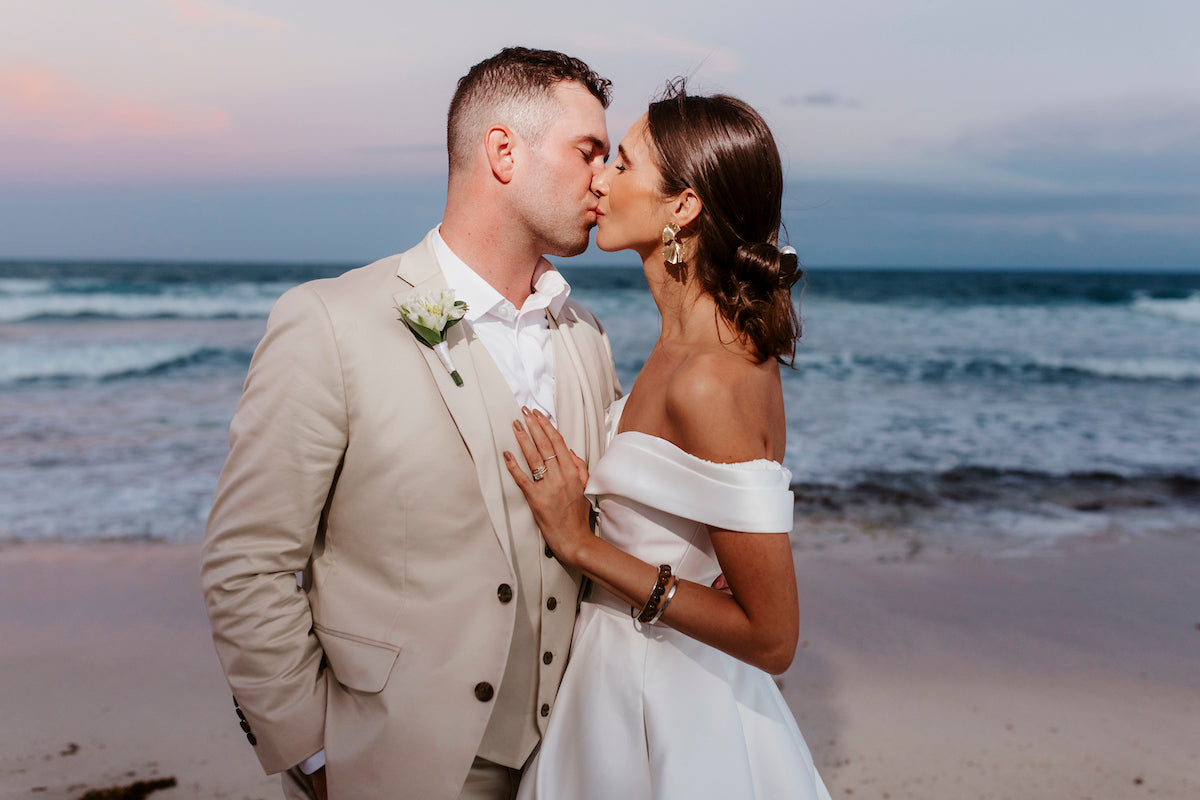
{"x": 756, "y": 622}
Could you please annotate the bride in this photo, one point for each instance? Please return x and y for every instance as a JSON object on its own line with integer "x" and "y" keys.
{"x": 668, "y": 693}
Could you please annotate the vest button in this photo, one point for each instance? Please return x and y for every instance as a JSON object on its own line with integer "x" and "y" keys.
{"x": 484, "y": 691}
{"x": 547, "y": 657}
{"x": 552, "y": 603}
{"x": 504, "y": 592}
{"x": 545, "y": 709}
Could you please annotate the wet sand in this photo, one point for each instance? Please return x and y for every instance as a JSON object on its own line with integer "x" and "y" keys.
{"x": 1066, "y": 673}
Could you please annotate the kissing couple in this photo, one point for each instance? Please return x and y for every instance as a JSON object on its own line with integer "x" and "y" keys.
{"x": 436, "y": 492}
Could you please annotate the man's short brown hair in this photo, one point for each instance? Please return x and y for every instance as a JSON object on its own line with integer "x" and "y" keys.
{"x": 515, "y": 87}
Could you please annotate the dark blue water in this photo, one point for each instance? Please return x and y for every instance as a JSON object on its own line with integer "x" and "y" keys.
{"x": 1018, "y": 406}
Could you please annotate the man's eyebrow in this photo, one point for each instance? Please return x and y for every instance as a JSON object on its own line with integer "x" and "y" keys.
{"x": 597, "y": 144}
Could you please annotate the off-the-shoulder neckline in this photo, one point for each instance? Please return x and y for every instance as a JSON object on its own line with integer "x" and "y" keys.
{"x": 676, "y": 448}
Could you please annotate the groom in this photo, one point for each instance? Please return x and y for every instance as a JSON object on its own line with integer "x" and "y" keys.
{"x": 386, "y": 613}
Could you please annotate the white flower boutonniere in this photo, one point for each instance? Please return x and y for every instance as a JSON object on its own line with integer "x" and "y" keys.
{"x": 429, "y": 316}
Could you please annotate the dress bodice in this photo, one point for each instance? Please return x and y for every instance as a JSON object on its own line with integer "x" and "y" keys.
{"x": 645, "y": 712}
{"x": 659, "y": 502}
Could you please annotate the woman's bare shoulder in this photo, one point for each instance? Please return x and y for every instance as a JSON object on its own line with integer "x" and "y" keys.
{"x": 720, "y": 408}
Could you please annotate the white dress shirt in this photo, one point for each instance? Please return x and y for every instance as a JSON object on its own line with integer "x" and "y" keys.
{"x": 518, "y": 340}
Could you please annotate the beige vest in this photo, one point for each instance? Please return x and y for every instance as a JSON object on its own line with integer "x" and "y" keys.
{"x": 546, "y": 592}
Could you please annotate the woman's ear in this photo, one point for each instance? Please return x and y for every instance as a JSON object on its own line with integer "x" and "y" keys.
{"x": 685, "y": 207}
{"x": 498, "y": 144}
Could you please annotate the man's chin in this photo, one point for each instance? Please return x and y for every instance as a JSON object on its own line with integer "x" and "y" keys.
{"x": 568, "y": 249}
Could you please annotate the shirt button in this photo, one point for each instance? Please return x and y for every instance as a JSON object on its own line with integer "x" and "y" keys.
{"x": 547, "y": 657}
{"x": 484, "y": 691}
{"x": 545, "y": 709}
{"x": 549, "y": 552}
{"x": 552, "y": 603}
{"x": 504, "y": 592}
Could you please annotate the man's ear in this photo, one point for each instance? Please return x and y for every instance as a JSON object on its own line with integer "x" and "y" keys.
{"x": 498, "y": 144}
{"x": 685, "y": 207}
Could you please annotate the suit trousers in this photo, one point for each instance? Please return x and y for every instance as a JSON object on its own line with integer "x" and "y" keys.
{"x": 485, "y": 781}
{"x": 297, "y": 785}
{"x": 490, "y": 781}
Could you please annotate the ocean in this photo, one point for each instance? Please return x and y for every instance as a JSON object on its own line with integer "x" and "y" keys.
{"x": 999, "y": 411}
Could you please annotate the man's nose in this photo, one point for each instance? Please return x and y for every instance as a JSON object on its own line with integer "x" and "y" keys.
{"x": 599, "y": 185}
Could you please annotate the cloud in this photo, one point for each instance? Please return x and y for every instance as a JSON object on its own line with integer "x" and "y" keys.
{"x": 204, "y": 12}
{"x": 42, "y": 104}
{"x": 1141, "y": 140}
{"x": 820, "y": 99}
{"x": 715, "y": 59}
{"x": 876, "y": 222}
{"x": 418, "y": 148}
{"x": 978, "y": 202}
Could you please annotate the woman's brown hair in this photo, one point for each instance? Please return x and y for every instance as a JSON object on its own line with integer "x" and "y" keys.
{"x": 721, "y": 149}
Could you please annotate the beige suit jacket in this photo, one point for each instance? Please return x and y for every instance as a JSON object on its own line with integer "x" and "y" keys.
{"x": 356, "y": 459}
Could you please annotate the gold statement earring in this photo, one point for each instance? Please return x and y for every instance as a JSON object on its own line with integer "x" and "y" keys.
{"x": 672, "y": 250}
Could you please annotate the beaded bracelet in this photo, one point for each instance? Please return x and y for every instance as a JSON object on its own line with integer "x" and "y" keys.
{"x": 651, "y": 607}
{"x": 666, "y": 601}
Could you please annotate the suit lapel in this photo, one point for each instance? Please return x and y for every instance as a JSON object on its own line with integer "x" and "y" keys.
{"x": 574, "y": 398}
{"x": 483, "y": 405}
{"x": 483, "y": 408}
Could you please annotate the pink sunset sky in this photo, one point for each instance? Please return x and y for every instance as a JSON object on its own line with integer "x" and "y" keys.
{"x": 913, "y": 132}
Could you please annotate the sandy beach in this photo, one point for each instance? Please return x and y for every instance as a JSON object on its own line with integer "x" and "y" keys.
{"x": 1067, "y": 673}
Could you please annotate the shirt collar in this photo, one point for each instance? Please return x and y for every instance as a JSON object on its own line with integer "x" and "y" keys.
{"x": 548, "y": 282}
{"x": 550, "y": 288}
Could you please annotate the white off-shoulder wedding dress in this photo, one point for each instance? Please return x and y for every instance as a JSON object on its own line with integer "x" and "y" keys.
{"x": 644, "y": 712}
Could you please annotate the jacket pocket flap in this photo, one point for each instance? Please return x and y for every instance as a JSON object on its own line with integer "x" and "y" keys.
{"x": 357, "y": 663}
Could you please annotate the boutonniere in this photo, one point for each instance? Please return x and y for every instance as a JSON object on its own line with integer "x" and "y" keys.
{"x": 429, "y": 316}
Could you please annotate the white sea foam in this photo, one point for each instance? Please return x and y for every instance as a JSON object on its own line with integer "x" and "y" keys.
{"x": 28, "y": 302}
{"x": 967, "y": 367}
{"x": 23, "y": 286}
{"x": 32, "y": 361}
{"x": 1138, "y": 369}
{"x": 1185, "y": 309}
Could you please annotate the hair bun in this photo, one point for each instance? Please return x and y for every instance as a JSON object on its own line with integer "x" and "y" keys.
{"x": 767, "y": 267}
{"x": 789, "y": 267}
